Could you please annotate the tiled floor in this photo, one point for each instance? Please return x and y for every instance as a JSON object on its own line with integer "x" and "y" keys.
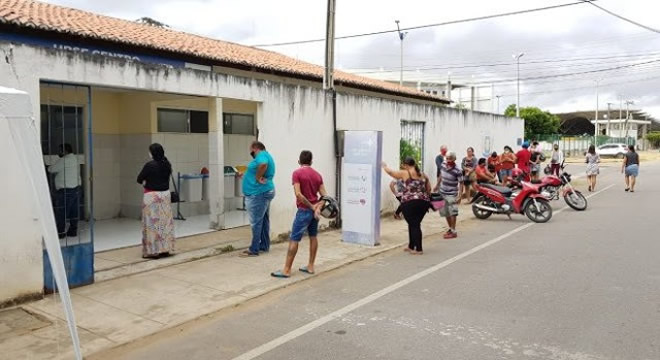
{"x": 124, "y": 232}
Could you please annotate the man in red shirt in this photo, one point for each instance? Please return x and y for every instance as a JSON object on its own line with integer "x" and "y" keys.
{"x": 483, "y": 175}
{"x": 523, "y": 156}
{"x": 307, "y": 185}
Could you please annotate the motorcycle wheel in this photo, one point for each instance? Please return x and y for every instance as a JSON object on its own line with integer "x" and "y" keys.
{"x": 576, "y": 200}
{"x": 544, "y": 214}
{"x": 480, "y": 213}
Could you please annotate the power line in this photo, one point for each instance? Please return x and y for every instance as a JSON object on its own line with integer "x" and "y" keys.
{"x": 451, "y": 22}
{"x": 622, "y": 17}
{"x": 507, "y": 63}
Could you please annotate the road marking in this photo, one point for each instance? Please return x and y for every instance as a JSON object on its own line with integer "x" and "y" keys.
{"x": 260, "y": 350}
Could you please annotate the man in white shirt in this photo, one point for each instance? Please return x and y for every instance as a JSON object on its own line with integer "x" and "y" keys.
{"x": 556, "y": 159}
{"x": 67, "y": 186}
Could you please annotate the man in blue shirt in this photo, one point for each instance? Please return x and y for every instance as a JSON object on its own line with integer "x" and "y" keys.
{"x": 259, "y": 191}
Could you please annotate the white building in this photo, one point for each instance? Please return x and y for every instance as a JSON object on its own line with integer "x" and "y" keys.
{"x": 112, "y": 87}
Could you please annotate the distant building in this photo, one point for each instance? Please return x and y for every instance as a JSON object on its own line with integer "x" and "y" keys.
{"x": 476, "y": 97}
{"x": 582, "y": 123}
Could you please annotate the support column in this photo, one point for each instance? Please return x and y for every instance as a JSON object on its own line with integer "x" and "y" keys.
{"x": 216, "y": 165}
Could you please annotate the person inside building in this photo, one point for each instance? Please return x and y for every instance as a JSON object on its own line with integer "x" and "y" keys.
{"x": 483, "y": 174}
{"x": 67, "y": 191}
{"x": 259, "y": 191}
{"x": 157, "y": 220}
{"x": 308, "y": 189}
{"x": 396, "y": 187}
{"x": 414, "y": 201}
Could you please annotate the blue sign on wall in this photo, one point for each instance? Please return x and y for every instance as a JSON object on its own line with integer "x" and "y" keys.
{"x": 71, "y": 46}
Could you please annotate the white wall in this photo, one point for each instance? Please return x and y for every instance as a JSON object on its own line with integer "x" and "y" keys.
{"x": 290, "y": 117}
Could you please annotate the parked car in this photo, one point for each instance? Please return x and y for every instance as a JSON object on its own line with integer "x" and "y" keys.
{"x": 613, "y": 150}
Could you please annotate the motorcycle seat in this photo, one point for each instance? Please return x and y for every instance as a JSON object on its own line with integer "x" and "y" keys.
{"x": 501, "y": 189}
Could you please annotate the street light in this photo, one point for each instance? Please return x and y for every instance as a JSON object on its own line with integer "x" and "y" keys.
{"x": 402, "y": 35}
{"x": 517, "y": 58}
{"x": 597, "y": 81}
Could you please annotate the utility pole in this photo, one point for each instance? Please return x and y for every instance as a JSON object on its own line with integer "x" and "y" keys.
{"x": 620, "y": 113}
{"x": 402, "y": 35}
{"x": 329, "y": 86}
{"x": 517, "y": 58}
{"x": 596, "y": 118}
{"x": 628, "y": 103}
{"x": 328, "y": 77}
{"x": 607, "y": 132}
{"x": 498, "y": 102}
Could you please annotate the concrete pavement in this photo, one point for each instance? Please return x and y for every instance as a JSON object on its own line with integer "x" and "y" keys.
{"x": 584, "y": 286}
{"x": 124, "y": 309}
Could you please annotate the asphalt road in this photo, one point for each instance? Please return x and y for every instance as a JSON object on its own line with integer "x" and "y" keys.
{"x": 586, "y": 285}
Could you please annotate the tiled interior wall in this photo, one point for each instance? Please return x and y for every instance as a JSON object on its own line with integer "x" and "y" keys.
{"x": 236, "y": 149}
{"x": 107, "y": 179}
{"x": 134, "y": 154}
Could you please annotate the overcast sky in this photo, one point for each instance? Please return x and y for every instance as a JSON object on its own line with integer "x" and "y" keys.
{"x": 567, "y": 40}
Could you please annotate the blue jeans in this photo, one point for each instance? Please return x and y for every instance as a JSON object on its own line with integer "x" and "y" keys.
{"x": 67, "y": 202}
{"x": 258, "y": 208}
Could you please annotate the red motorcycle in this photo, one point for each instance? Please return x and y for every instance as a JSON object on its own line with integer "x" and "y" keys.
{"x": 492, "y": 199}
{"x": 552, "y": 186}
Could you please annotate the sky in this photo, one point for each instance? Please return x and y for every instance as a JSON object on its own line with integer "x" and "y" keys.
{"x": 576, "y": 39}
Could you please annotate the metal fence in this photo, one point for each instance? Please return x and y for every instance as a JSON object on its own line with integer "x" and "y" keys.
{"x": 578, "y": 145}
{"x": 413, "y": 133}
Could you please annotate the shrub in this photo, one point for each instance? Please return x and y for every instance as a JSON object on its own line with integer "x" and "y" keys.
{"x": 654, "y": 138}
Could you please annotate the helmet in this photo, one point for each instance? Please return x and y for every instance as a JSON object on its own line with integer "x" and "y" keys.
{"x": 516, "y": 172}
{"x": 330, "y": 208}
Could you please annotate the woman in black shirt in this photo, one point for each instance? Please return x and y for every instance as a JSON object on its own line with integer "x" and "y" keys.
{"x": 157, "y": 220}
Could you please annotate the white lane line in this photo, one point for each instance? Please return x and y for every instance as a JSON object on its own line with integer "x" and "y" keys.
{"x": 258, "y": 351}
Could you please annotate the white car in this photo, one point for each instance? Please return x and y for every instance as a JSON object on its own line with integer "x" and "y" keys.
{"x": 613, "y": 150}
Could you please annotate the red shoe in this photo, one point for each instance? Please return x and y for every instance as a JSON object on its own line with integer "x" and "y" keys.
{"x": 450, "y": 235}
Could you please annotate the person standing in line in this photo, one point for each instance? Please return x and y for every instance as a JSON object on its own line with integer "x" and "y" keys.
{"x": 450, "y": 184}
{"x": 556, "y": 159}
{"x": 468, "y": 165}
{"x": 508, "y": 162}
{"x": 259, "y": 191}
{"x": 67, "y": 196}
{"x": 414, "y": 201}
{"x": 592, "y": 160}
{"x": 523, "y": 157}
{"x": 440, "y": 158}
{"x": 535, "y": 161}
{"x": 157, "y": 220}
{"x": 308, "y": 188}
{"x": 631, "y": 168}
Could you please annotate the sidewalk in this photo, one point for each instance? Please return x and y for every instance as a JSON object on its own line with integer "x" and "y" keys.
{"x": 121, "y": 310}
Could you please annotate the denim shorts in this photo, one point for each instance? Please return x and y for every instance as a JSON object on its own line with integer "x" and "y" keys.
{"x": 304, "y": 222}
{"x": 506, "y": 172}
{"x": 632, "y": 170}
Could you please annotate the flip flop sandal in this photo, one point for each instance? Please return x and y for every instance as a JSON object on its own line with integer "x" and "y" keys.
{"x": 306, "y": 270}
{"x": 247, "y": 253}
{"x": 279, "y": 274}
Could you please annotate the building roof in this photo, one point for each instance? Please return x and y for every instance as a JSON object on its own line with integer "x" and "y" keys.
{"x": 40, "y": 16}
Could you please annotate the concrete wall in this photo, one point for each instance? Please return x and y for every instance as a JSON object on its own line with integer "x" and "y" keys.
{"x": 291, "y": 115}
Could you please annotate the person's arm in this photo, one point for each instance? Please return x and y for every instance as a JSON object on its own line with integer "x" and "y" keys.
{"x": 261, "y": 170}
{"x": 142, "y": 176}
{"x": 438, "y": 183}
{"x": 460, "y": 192}
{"x": 392, "y": 187}
{"x": 57, "y": 167}
{"x": 393, "y": 173}
{"x": 623, "y": 164}
{"x": 301, "y": 197}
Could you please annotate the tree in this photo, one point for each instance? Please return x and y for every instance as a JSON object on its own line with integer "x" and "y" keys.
{"x": 654, "y": 138}
{"x": 537, "y": 121}
{"x": 407, "y": 149}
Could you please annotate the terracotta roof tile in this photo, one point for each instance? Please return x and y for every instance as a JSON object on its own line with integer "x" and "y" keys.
{"x": 65, "y": 20}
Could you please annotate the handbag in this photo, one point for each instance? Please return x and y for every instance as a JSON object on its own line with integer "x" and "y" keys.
{"x": 174, "y": 195}
{"x": 437, "y": 201}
